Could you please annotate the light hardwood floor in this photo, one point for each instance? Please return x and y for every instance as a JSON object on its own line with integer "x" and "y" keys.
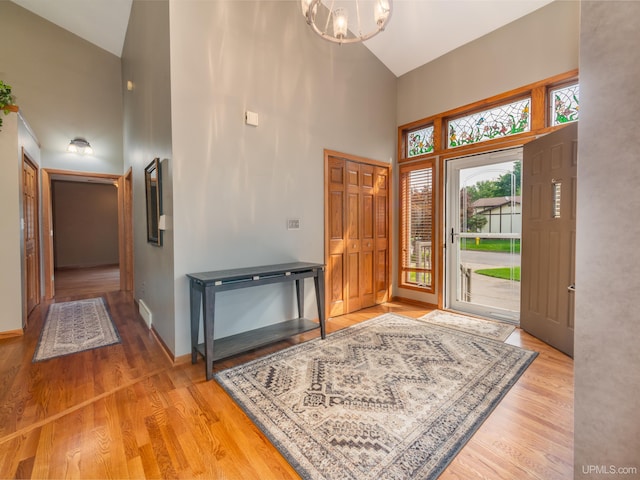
{"x": 85, "y": 281}
{"x": 125, "y": 411}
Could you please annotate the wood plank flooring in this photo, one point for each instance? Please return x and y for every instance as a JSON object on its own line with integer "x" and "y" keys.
{"x": 84, "y": 281}
{"x": 125, "y": 411}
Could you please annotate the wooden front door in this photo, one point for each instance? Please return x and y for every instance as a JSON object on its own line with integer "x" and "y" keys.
{"x": 357, "y": 226}
{"x": 549, "y": 174}
{"x": 31, "y": 244}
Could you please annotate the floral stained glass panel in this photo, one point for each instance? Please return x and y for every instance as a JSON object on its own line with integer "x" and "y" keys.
{"x": 420, "y": 142}
{"x": 565, "y": 104}
{"x": 497, "y": 122}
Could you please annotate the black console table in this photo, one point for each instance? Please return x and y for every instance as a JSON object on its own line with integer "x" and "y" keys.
{"x": 205, "y": 285}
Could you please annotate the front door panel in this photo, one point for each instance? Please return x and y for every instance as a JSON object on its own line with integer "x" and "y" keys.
{"x": 548, "y": 237}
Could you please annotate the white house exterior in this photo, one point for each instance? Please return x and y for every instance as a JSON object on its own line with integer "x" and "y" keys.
{"x": 503, "y": 214}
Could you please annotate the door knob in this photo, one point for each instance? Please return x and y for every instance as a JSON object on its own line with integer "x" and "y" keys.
{"x": 572, "y": 287}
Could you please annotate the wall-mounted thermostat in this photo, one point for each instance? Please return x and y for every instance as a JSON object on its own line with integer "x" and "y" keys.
{"x": 293, "y": 224}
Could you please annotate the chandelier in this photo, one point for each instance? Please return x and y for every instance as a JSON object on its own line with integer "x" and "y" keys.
{"x": 347, "y": 21}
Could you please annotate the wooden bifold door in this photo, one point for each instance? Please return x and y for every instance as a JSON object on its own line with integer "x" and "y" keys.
{"x": 356, "y": 234}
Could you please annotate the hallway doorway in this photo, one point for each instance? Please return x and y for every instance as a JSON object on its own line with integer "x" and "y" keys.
{"x": 79, "y": 236}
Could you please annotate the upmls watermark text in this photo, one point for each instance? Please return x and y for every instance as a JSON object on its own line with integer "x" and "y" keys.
{"x": 608, "y": 470}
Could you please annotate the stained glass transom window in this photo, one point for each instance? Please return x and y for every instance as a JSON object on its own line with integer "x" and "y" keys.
{"x": 497, "y": 122}
{"x": 564, "y": 104}
{"x": 420, "y": 142}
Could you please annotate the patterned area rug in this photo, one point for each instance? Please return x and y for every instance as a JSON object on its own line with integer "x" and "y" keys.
{"x": 477, "y": 326}
{"x": 392, "y": 397}
{"x": 72, "y": 327}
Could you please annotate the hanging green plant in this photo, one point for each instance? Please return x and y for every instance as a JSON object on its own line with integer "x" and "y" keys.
{"x": 6, "y": 99}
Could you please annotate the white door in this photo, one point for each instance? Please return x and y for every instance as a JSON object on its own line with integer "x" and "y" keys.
{"x": 483, "y": 226}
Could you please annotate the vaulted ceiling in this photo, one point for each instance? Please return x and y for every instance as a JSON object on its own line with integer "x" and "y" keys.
{"x": 419, "y": 30}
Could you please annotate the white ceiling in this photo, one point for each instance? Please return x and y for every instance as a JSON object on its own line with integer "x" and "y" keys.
{"x": 101, "y": 22}
{"x": 419, "y": 30}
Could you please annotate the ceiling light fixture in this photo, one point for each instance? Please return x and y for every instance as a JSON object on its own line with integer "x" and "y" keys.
{"x": 371, "y": 17}
{"x": 81, "y": 146}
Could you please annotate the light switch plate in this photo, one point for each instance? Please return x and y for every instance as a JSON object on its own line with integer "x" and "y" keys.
{"x": 251, "y": 118}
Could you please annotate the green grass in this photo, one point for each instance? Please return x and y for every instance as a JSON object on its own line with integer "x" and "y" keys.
{"x": 503, "y": 272}
{"x": 491, "y": 245}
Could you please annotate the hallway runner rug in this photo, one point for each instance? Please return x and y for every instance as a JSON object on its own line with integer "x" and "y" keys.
{"x": 72, "y": 327}
{"x": 389, "y": 398}
{"x": 477, "y": 326}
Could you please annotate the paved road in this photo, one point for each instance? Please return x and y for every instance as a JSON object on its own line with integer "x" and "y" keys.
{"x": 489, "y": 259}
{"x": 490, "y": 291}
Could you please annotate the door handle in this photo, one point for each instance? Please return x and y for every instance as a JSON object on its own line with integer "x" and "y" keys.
{"x": 572, "y": 287}
{"x": 452, "y": 235}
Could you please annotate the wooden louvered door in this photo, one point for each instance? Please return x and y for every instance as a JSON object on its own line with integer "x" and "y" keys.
{"x": 357, "y": 226}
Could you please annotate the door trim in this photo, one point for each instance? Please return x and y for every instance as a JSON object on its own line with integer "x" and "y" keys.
{"x": 366, "y": 161}
{"x": 26, "y": 158}
{"x": 125, "y": 242}
{"x": 126, "y": 275}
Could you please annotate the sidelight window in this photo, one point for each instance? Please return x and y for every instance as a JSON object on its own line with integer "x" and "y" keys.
{"x": 417, "y": 232}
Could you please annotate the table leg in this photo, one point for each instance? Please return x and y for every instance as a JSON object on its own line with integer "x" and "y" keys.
{"x": 195, "y": 294}
{"x": 319, "y": 283}
{"x": 208, "y": 321}
{"x": 300, "y": 294}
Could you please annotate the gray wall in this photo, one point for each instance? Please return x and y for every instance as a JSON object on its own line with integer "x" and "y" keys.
{"x": 532, "y": 48}
{"x": 236, "y": 185}
{"x": 147, "y": 135}
{"x": 85, "y": 221}
{"x": 14, "y": 137}
{"x": 11, "y": 238}
{"x": 65, "y": 87}
{"x": 607, "y": 357}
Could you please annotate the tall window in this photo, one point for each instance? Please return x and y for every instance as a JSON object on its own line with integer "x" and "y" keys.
{"x": 417, "y": 225}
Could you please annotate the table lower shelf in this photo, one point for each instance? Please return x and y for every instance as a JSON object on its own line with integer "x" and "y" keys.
{"x": 243, "y": 342}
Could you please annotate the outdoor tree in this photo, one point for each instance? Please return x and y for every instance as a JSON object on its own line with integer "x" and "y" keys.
{"x": 500, "y": 187}
{"x": 483, "y": 189}
{"x": 506, "y": 183}
{"x": 476, "y": 222}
